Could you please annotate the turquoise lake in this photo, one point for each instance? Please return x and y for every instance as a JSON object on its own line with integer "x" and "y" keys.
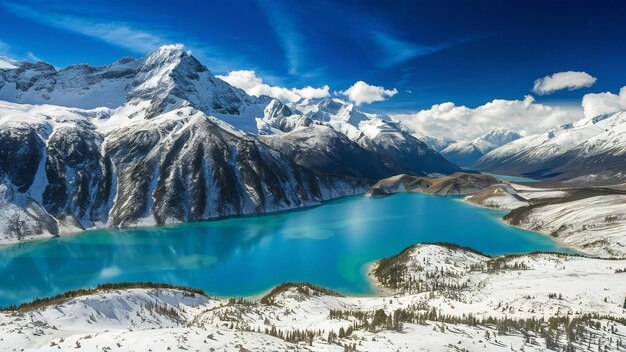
{"x": 513, "y": 178}
{"x": 328, "y": 245}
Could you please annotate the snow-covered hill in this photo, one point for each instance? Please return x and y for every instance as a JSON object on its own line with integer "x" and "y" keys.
{"x": 467, "y": 153}
{"x": 437, "y": 298}
{"x": 590, "y": 220}
{"x": 588, "y": 150}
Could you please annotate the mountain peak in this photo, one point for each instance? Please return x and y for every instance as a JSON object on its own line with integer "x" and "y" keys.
{"x": 6, "y": 63}
{"x": 172, "y": 57}
{"x": 499, "y": 136}
{"x": 170, "y": 50}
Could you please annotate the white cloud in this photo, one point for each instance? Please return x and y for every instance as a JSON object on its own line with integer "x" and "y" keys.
{"x": 4, "y": 47}
{"x": 397, "y": 51}
{"x": 254, "y": 85}
{"x": 622, "y": 97}
{"x": 290, "y": 39}
{"x": 361, "y": 92}
{"x": 463, "y": 123}
{"x": 595, "y": 104}
{"x": 115, "y": 33}
{"x": 32, "y": 57}
{"x": 563, "y": 80}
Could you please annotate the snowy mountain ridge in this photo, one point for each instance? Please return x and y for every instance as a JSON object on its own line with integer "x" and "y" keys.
{"x": 467, "y": 153}
{"x": 360, "y": 137}
{"x": 592, "y": 149}
{"x": 160, "y": 139}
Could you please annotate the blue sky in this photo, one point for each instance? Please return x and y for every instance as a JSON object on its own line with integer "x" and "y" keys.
{"x": 430, "y": 51}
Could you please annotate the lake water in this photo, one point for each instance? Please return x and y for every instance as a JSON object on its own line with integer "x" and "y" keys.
{"x": 513, "y": 178}
{"x": 328, "y": 245}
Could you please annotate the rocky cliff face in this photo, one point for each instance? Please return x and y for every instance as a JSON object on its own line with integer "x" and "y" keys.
{"x": 197, "y": 167}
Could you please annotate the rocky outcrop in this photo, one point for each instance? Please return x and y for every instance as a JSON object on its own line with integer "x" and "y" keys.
{"x": 324, "y": 150}
{"x": 459, "y": 183}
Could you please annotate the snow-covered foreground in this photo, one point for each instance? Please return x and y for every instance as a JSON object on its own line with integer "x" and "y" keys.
{"x": 597, "y": 225}
{"x": 437, "y": 297}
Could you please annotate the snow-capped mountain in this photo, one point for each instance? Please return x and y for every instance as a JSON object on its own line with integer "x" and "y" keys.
{"x": 467, "y": 153}
{"x": 462, "y": 153}
{"x": 393, "y": 141}
{"x": 494, "y": 139}
{"x": 348, "y": 141}
{"x": 6, "y": 63}
{"x": 161, "y": 139}
{"x": 435, "y": 143}
{"x": 81, "y": 86}
{"x": 336, "y": 113}
{"x": 591, "y": 149}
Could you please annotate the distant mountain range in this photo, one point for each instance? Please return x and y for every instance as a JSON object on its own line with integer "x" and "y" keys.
{"x": 588, "y": 150}
{"x": 160, "y": 140}
{"x": 467, "y": 153}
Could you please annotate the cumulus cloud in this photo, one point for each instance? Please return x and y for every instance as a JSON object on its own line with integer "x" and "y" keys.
{"x": 363, "y": 93}
{"x": 595, "y": 104}
{"x": 464, "y": 123}
{"x": 563, "y": 80}
{"x": 254, "y": 85}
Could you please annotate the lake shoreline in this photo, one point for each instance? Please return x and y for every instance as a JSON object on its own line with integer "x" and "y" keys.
{"x": 409, "y": 220}
{"x": 379, "y": 290}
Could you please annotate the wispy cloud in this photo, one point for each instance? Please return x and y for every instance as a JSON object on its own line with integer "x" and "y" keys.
{"x": 287, "y": 34}
{"x": 116, "y": 33}
{"x": 33, "y": 57}
{"x": 4, "y": 47}
{"x": 396, "y": 51}
{"x": 135, "y": 37}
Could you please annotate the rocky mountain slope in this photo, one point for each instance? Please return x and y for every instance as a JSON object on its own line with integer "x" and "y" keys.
{"x": 589, "y": 150}
{"x": 431, "y": 298}
{"x": 459, "y": 183}
{"x": 436, "y": 143}
{"x": 161, "y": 139}
{"x": 467, "y": 153}
{"x": 348, "y": 142}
